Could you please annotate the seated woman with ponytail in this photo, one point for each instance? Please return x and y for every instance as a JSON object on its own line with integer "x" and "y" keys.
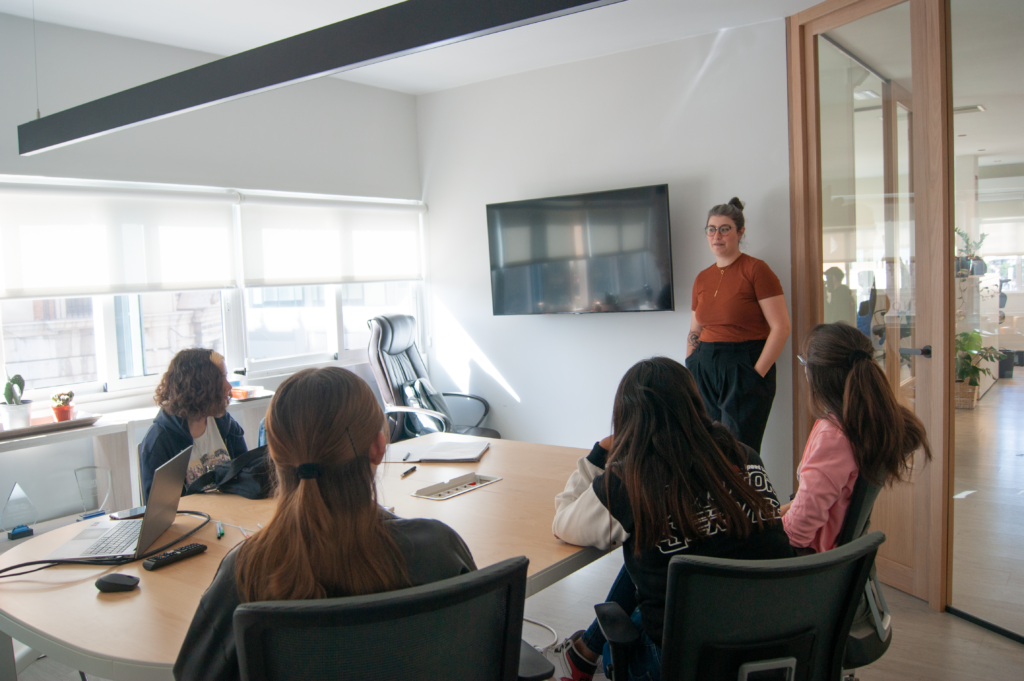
{"x": 328, "y": 537}
{"x": 861, "y": 430}
{"x": 669, "y": 482}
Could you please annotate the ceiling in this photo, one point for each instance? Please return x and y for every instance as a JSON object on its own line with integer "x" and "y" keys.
{"x": 227, "y": 27}
{"x": 988, "y": 59}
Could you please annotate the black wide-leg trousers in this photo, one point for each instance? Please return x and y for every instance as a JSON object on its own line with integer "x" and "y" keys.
{"x": 734, "y": 393}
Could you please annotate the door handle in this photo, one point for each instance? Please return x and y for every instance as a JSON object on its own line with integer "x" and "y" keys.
{"x": 926, "y": 351}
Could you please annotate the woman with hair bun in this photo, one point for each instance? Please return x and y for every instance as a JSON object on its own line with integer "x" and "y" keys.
{"x": 738, "y": 328}
{"x": 328, "y": 538}
{"x": 862, "y": 429}
{"x": 193, "y": 396}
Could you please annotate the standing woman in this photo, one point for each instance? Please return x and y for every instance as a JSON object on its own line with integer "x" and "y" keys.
{"x": 737, "y": 331}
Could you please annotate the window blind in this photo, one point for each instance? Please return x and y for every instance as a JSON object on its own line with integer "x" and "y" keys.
{"x": 65, "y": 241}
{"x": 322, "y": 242}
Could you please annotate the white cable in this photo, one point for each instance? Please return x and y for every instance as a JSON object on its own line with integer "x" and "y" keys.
{"x": 541, "y": 624}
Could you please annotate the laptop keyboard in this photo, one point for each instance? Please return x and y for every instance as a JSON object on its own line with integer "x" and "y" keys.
{"x": 120, "y": 540}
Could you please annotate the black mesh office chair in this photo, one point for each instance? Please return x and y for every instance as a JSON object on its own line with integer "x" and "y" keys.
{"x": 734, "y": 620}
{"x": 468, "y": 628}
{"x": 871, "y": 631}
{"x": 410, "y": 402}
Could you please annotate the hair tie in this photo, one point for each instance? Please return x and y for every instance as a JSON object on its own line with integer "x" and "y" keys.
{"x": 306, "y": 471}
{"x": 858, "y": 355}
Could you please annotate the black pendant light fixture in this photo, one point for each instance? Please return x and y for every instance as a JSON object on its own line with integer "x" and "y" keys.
{"x": 398, "y": 30}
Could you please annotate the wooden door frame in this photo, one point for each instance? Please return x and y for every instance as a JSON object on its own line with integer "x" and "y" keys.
{"x": 933, "y": 207}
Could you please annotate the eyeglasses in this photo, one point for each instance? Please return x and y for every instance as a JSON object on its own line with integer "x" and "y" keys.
{"x": 803, "y": 362}
{"x": 711, "y": 230}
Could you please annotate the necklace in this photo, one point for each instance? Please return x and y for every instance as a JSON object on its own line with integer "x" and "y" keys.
{"x": 719, "y": 284}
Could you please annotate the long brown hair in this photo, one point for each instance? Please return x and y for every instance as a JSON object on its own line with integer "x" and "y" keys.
{"x": 327, "y": 537}
{"x": 674, "y": 460}
{"x": 849, "y": 387}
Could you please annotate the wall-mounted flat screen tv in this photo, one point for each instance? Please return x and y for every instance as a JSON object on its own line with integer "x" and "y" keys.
{"x": 607, "y": 251}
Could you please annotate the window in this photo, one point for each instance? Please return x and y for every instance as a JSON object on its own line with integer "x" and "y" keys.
{"x": 1007, "y": 270}
{"x": 289, "y": 321}
{"x": 49, "y": 341}
{"x": 152, "y": 327}
{"x": 362, "y": 302}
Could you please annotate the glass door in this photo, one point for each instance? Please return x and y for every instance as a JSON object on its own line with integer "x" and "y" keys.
{"x": 869, "y": 240}
{"x": 871, "y": 205}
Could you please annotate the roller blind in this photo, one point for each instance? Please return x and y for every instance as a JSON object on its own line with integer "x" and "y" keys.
{"x": 67, "y": 242}
{"x": 296, "y": 244}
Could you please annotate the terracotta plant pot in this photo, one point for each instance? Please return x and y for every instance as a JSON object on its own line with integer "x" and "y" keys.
{"x": 63, "y": 413}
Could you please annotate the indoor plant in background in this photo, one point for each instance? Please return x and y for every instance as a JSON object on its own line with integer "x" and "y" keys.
{"x": 969, "y": 354}
{"x": 15, "y": 412}
{"x": 62, "y": 407}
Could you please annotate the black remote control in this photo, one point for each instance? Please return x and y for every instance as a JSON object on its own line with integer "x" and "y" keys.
{"x": 173, "y": 556}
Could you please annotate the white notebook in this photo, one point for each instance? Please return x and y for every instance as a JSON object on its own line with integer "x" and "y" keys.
{"x": 446, "y": 452}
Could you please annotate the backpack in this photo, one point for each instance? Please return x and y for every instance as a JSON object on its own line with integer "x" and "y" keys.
{"x": 250, "y": 475}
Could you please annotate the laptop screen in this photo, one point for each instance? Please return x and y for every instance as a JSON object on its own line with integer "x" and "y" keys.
{"x": 162, "y": 504}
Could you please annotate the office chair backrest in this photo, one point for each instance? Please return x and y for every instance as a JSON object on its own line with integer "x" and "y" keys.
{"x": 725, "y": 617}
{"x": 858, "y": 513}
{"x": 468, "y": 627}
{"x": 393, "y": 355}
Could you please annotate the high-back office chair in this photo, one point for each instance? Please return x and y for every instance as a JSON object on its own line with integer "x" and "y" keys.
{"x": 411, "y": 404}
{"x": 871, "y": 631}
{"x": 730, "y": 620}
{"x": 468, "y": 628}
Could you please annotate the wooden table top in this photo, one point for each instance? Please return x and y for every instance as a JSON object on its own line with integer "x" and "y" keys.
{"x": 147, "y": 625}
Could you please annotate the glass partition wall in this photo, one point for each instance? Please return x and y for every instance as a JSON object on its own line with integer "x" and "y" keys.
{"x": 988, "y": 482}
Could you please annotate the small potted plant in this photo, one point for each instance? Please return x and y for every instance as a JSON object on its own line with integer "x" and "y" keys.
{"x": 62, "y": 407}
{"x": 969, "y": 354}
{"x": 15, "y": 412}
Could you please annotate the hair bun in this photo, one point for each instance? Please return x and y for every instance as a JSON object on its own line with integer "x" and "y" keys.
{"x": 734, "y": 201}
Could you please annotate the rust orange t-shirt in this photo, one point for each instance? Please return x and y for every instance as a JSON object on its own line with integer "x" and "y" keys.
{"x": 725, "y": 300}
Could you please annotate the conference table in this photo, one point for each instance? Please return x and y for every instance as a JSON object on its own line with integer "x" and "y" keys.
{"x": 136, "y": 635}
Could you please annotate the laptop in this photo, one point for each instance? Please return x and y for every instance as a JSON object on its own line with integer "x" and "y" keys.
{"x": 104, "y": 538}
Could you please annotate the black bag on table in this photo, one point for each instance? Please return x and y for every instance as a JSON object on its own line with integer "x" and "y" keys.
{"x": 249, "y": 475}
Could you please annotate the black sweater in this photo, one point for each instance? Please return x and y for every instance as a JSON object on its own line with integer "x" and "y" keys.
{"x": 649, "y": 570}
{"x": 432, "y": 551}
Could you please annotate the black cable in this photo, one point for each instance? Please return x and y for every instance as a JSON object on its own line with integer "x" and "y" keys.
{"x": 104, "y": 561}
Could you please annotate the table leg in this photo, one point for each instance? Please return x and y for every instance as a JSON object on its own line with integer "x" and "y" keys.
{"x": 8, "y": 667}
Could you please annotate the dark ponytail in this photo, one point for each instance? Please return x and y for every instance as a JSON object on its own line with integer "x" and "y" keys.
{"x": 732, "y": 210}
{"x": 327, "y": 537}
{"x": 849, "y": 387}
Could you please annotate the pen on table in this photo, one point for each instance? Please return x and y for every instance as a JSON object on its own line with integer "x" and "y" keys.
{"x": 409, "y": 472}
{"x": 259, "y": 525}
{"x": 406, "y": 457}
{"x": 220, "y": 529}
{"x": 242, "y": 530}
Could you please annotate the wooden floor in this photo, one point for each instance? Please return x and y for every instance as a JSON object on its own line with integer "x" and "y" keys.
{"x": 988, "y": 524}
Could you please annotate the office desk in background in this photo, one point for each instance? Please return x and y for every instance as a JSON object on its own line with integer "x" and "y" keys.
{"x": 136, "y": 635}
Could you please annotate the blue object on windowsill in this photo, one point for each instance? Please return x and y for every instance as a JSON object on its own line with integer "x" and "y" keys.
{"x": 20, "y": 532}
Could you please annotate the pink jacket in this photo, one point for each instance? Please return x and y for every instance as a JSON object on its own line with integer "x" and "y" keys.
{"x": 827, "y": 474}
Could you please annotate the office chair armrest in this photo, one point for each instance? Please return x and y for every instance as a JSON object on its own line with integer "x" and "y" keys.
{"x": 621, "y": 634}
{"x": 446, "y": 424}
{"x": 487, "y": 406}
{"x": 533, "y": 666}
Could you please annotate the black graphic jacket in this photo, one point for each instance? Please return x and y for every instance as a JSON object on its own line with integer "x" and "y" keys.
{"x": 582, "y": 518}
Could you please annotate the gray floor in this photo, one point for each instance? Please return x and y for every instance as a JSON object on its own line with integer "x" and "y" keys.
{"x": 926, "y": 644}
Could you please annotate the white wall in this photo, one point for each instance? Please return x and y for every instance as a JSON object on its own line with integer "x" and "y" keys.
{"x": 327, "y": 135}
{"x": 707, "y": 115}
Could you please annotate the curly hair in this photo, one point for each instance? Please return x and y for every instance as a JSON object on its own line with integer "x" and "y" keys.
{"x": 192, "y": 386}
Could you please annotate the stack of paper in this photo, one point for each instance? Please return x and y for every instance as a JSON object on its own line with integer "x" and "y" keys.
{"x": 447, "y": 452}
